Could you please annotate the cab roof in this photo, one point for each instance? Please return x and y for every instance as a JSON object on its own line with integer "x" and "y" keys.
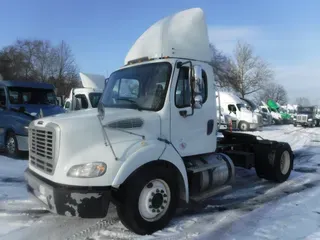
{"x": 181, "y": 35}
{"x": 25, "y": 84}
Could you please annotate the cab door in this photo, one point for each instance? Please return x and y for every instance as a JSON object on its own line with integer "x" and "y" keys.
{"x": 193, "y": 131}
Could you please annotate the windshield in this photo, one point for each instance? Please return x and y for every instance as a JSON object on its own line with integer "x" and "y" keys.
{"x": 305, "y": 110}
{"x": 141, "y": 87}
{"x": 21, "y": 95}
{"x": 241, "y": 106}
{"x": 94, "y": 99}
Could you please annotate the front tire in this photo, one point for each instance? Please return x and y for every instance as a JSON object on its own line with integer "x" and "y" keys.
{"x": 11, "y": 147}
{"x": 149, "y": 200}
{"x": 243, "y": 126}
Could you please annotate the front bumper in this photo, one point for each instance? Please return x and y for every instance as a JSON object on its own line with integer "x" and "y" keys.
{"x": 253, "y": 126}
{"x": 84, "y": 202}
{"x": 306, "y": 124}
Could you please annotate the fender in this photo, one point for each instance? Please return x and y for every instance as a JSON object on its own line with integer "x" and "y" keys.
{"x": 153, "y": 150}
{"x": 146, "y": 152}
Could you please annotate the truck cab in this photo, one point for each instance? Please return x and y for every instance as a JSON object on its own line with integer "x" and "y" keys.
{"x": 21, "y": 103}
{"x": 255, "y": 110}
{"x": 151, "y": 145}
{"x": 88, "y": 96}
{"x": 306, "y": 116}
{"x": 232, "y": 105}
{"x": 276, "y": 116}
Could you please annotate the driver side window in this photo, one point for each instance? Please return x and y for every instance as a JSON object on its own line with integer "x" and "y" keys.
{"x": 3, "y": 101}
{"x": 183, "y": 91}
{"x": 232, "y": 108}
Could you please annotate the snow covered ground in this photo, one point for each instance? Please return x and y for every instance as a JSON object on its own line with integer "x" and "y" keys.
{"x": 254, "y": 209}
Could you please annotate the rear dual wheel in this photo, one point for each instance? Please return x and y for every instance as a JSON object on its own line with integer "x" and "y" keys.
{"x": 278, "y": 165}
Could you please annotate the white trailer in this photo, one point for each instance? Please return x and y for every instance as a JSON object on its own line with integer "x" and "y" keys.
{"x": 152, "y": 150}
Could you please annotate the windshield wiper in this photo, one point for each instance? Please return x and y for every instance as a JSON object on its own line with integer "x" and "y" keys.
{"x": 138, "y": 107}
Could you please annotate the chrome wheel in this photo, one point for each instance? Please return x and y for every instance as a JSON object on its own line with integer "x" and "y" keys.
{"x": 154, "y": 200}
{"x": 285, "y": 162}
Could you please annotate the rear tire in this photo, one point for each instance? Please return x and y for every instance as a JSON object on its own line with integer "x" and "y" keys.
{"x": 149, "y": 200}
{"x": 279, "y": 168}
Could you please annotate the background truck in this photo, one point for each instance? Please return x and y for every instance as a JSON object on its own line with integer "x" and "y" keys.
{"x": 276, "y": 116}
{"x": 275, "y": 107}
{"x": 89, "y": 95}
{"x": 152, "y": 149}
{"x": 307, "y": 117}
{"x": 233, "y": 105}
{"x": 255, "y": 110}
{"x": 20, "y": 103}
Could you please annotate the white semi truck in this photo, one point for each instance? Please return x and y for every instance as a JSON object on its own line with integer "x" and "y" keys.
{"x": 245, "y": 120}
{"x": 154, "y": 148}
{"x": 88, "y": 96}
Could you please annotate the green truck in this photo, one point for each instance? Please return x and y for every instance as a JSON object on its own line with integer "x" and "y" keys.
{"x": 275, "y": 107}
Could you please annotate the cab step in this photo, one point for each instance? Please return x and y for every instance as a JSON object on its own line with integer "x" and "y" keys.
{"x": 210, "y": 193}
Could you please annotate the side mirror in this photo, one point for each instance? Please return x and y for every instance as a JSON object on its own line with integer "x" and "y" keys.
{"x": 100, "y": 110}
{"x": 198, "y": 81}
{"x": 198, "y": 101}
{"x": 197, "y": 85}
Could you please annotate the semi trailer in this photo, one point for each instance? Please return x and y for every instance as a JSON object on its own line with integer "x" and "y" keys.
{"x": 151, "y": 146}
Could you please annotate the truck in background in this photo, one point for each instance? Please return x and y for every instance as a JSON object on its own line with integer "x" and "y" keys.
{"x": 255, "y": 110}
{"x": 88, "y": 96}
{"x": 275, "y": 107}
{"x": 276, "y": 116}
{"x": 307, "y": 117}
{"x": 155, "y": 149}
{"x": 232, "y": 105}
{"x": 20, "y": 103}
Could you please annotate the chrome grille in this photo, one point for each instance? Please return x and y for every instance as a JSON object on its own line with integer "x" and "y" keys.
{"x": 41, "y": 148}
{"x": 234, "y": 124}
{"x": 302, "y": 118}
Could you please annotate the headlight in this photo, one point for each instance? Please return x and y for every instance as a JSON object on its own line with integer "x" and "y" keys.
{"x": 87, "y": 170}
{"x": 26, "y": 129}
{"x": 309, "y": 120}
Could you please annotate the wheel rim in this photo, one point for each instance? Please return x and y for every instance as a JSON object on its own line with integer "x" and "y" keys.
{"x": 285, "y": 162}
{"x": 243, "y": 127}
{"x": 11, "y": 145}
{"x": 154, "y": 200}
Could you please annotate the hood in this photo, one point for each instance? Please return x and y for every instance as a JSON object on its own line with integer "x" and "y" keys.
{"x": 120, "y": 124}
{"x": 34, "y": 109}
{"x": 272, "y": 104}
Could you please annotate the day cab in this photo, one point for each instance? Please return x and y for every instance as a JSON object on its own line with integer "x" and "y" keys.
{"x": 151, "y": 146}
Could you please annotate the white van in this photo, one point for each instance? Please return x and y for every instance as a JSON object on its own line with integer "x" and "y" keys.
{"x": 232, "y": 105}
{"x": 89, "y": 95}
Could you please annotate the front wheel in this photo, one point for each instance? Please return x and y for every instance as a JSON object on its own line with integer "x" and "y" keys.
{"x": 149, "y": 200}
{"x": 11, "y": 147}
{"x": 243, "y": 126}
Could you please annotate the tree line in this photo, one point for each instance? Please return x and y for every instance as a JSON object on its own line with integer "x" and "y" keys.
{"x": 245, "y": 73}
{"x": 40, "y": 61}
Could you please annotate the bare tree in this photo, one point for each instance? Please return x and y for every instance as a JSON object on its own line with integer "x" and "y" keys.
{"x": 40, "y": 61}
{"x": 250, "y": 72}
{"x": 303, "y": 101}
{"x": 272, "y": 91}
{"x": 222, "y": 68}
